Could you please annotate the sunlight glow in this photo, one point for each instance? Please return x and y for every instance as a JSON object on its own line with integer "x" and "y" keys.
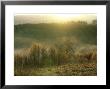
{"x": 52, "y": 18}
{"x": 65, "y": 17}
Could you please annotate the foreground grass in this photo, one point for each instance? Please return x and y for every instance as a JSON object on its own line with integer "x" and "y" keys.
{"x": 39, "y": 60}
{"x": 77, "y": 69}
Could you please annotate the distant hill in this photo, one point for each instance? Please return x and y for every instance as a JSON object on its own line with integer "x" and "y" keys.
{"x": 25, "y": 34}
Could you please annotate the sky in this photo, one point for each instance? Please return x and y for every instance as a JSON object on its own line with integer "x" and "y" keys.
{"x": 52, "y": 18}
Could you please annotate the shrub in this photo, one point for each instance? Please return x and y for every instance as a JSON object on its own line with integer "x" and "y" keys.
{"x": 87, "y": 53}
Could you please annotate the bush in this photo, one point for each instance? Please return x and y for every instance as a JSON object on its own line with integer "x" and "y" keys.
{"x": 86, "y": 53}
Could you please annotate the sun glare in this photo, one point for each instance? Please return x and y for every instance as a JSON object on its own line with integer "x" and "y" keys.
{"x": 53, "y": 18}
{"x": 65, "y": 17}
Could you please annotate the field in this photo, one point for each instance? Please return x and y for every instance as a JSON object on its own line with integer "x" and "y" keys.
{"x": 55, "y": 49}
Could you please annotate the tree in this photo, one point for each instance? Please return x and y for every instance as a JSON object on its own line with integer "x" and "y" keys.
{"x": 94, "y": 22}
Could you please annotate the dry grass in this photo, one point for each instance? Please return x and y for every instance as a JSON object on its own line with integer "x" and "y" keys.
{"x": 87, "y": 53}
{"x": 39, "y": 56}
{"x": 80, "y": 69}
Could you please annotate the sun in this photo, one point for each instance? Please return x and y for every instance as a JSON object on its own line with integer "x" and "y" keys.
{"x": 65, "y": 17}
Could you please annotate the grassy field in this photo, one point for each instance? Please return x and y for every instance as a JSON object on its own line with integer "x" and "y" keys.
{"x": 51, "y": 49}
{"x": 71, "y": 69}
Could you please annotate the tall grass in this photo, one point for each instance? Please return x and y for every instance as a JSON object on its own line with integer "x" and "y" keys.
{"x": 41, "y": 56}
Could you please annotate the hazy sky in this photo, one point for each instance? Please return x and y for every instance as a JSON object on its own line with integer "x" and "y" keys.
{"x": 52, "y": 18}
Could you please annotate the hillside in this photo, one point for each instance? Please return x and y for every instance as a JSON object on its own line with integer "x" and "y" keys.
{"x": 50, "y": 33}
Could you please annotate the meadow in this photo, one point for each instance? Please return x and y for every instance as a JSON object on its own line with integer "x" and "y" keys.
{"x": 55, "y": 49}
